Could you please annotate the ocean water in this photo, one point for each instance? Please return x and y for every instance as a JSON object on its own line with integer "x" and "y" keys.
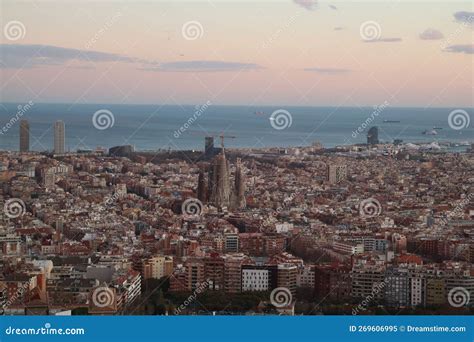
{"x": 153, "y": 127}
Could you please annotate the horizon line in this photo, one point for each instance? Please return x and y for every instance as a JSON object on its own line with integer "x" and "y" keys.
{"x": 227, "y": 105}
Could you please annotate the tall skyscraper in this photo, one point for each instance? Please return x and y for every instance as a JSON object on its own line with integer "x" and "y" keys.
{"x": 209, "y": 146}
{"x": 59, "y": 137}
{"x": 24, "y": 136}
{"x": 373, "y": 136}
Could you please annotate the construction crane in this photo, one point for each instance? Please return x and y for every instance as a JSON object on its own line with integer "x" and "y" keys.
{"x": 222, "y": 136}
{"x": 216, "y": 135}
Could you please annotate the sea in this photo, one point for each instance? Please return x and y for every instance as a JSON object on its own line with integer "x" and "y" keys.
{"x": 175, "y": 127}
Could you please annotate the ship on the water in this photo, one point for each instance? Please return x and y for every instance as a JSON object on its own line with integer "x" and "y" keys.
{"x": 430, "y": 132}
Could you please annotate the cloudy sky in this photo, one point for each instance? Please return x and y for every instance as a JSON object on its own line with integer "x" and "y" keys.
{"x": 300, "y": 52}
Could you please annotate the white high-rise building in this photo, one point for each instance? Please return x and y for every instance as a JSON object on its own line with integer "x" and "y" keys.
{"x": 417, "y": 289}
{"x": 255, "y": 280}
{"x": 59, "y": 137}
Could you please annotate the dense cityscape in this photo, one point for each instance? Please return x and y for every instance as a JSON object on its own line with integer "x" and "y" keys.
{"x": 376, "y": 228}
{"x": 229, "y": 171}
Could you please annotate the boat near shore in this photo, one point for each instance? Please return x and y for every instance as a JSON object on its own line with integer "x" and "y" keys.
{"x": 430, "y": 132}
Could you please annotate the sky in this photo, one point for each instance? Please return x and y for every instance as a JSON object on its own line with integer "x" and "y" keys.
{"x": 300, "y": 52}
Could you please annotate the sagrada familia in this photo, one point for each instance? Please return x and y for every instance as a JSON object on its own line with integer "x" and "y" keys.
{"x": 215, "y": 186}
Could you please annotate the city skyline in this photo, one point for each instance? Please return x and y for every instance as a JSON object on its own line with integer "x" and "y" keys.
{"x": 183, "y": 128}
{"x": 299, "y": 158}
{"x": 270, "y": 242}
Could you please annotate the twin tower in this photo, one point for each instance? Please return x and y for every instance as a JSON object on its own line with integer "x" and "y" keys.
{"x": 59, "y": 136}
